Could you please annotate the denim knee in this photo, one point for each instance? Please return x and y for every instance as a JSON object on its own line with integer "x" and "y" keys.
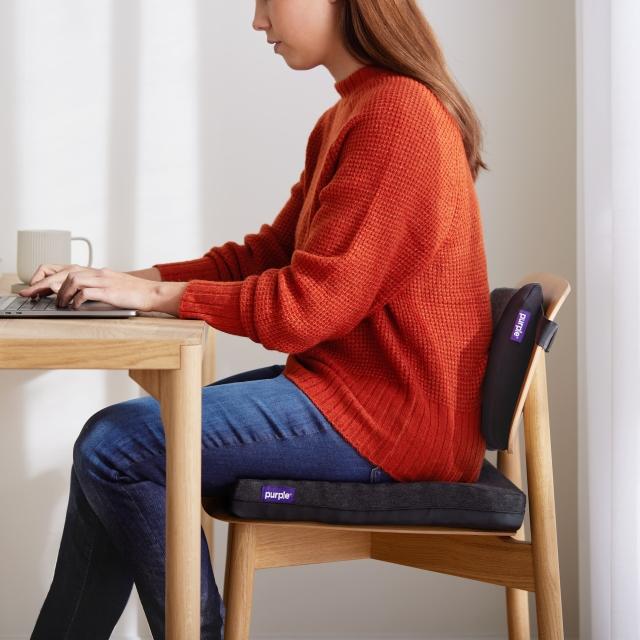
{"x": 91, "y": 448}
{"x": 119, "y": 438}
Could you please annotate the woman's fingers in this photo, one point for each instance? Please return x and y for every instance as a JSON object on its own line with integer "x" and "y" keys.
{"x": 45, "y": 286}
{"x": 89, "y": 293}
{"x": 45, "y": 270}
{"x": 42, "y": 271}
{"x": 52, "y": 282}
{"x": 76, "y": 281}
{"x": 39, "y": 292}
{"x": 47, "y": 279}
{"x": 42, "y": 288}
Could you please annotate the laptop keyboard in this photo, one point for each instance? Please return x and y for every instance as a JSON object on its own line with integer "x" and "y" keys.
{"x": 37, "y": 304}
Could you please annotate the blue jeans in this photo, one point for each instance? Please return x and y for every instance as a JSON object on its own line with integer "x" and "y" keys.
{"x": 254, "y": 424}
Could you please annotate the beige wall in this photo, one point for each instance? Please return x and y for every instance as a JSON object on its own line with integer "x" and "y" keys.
{"x": 121, "y": 118}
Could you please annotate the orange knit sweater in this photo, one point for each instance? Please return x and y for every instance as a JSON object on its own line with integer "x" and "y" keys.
{"x": 373, "y": 279}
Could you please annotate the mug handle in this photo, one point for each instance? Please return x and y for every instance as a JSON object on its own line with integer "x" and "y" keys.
{"x": 88, "y": 245}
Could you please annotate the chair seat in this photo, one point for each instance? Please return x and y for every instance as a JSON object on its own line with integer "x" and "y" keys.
{"x": 491, "y": 503}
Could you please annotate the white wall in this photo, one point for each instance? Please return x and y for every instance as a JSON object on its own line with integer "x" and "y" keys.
{"x": 161, "y": 128}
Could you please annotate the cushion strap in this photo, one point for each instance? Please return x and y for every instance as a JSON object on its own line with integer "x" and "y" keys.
{"x": 547, "y": 332}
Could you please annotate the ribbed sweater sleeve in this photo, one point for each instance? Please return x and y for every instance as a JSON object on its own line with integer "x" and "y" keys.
{"x": 271, "y": 247}
{"x": 380, "y": 220}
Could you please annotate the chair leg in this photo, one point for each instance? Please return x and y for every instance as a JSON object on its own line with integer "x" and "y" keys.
{"x": 517, "y": 599}
{"x": 238, "y": 580}
{"x": 518, "y": 614}
{"x": 207, "y": 523}
{"x": 542, "y": 511}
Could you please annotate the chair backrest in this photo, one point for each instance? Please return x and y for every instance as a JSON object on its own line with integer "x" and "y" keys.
{"x": 523, "y": 328}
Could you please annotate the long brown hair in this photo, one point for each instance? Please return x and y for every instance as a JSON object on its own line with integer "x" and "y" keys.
{"x": 395, "y": 34}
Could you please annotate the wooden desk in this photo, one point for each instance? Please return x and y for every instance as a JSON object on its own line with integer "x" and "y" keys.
{"x": 171, "y": 359}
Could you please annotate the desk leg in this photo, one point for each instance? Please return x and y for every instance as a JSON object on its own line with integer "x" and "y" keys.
{"x": 181, "y": 407}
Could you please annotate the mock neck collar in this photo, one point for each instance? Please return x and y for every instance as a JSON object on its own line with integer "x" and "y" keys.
{"x": 357, "y": 78}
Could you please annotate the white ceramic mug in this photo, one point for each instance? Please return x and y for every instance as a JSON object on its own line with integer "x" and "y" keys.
{"x": 45, "y": 246}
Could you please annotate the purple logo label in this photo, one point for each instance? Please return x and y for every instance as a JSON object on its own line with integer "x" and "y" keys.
{"x": 271, "y": 493}
{"x": 519, "y": 328}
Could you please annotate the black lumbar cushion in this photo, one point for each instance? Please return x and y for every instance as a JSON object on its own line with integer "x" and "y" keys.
{"x": 519, "y": 324}
{"x": 491, "y": 503}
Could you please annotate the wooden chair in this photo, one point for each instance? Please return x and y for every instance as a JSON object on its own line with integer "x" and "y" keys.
{"x": 499, "y": 557}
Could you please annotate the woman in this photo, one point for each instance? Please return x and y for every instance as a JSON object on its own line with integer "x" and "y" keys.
{"x": 372, "y": 278}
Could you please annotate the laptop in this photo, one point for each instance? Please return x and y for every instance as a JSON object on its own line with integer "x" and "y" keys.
{"x": 15, "y": 306}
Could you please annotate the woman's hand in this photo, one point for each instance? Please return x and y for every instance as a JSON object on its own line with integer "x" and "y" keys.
{"x": 55, "y": 275}
{"x": 75, "y": 285}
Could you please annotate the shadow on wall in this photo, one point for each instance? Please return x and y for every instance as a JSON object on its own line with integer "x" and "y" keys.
{"x": 38, "y": 496}
{"x": 9, "y": 148}
{"x": 122, "y": 181}
{"x": 122, "y": 155}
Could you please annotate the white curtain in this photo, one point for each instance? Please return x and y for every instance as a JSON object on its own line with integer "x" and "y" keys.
{"x": 609, "y": 306}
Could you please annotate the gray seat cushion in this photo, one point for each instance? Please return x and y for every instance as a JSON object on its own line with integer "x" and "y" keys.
{"x": 491, "y": 503}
